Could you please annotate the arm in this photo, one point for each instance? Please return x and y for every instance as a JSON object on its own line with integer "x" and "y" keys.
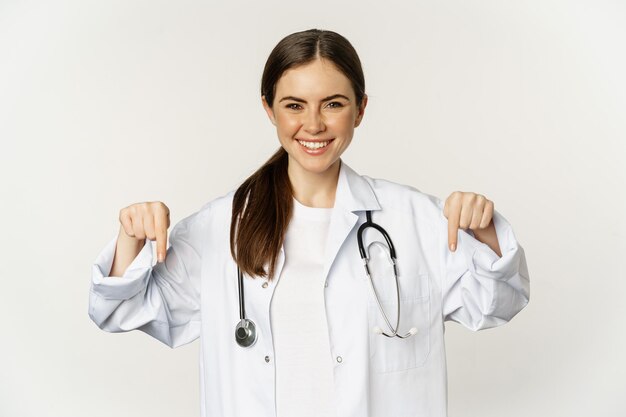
{"x": 162, "y": 300}
{"x": 481, "y": 289}
{"x": 126, "y": 250}
{"x": 489, "y": 237}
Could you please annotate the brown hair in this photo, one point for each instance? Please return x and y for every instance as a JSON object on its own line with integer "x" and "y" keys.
{"x": 262, "y": 205}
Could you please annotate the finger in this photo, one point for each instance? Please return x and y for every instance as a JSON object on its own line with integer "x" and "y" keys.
{"x": 477, "y": 212}
{"x": 161, "y": 222}
{"x": 487, "y": 214}
{"x": 453, "y": 225}
{"x": 452, "y": 199}
{"x": 148, "y": 226}
{"x": 465, "y": 216}
{"x": 126, "y": 223}
{"x": 137, "y": 216}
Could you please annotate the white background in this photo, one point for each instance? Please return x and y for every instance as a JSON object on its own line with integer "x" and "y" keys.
{"x": 108, "y": 103}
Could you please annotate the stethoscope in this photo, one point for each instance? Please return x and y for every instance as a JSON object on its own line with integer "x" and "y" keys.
{"x": 246, "y": 334}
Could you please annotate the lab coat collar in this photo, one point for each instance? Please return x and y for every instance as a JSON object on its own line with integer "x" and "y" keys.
{"x": 353, "y": 193}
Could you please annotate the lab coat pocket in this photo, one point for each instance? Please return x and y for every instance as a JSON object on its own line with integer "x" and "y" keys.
{"x": 391, "y": 354}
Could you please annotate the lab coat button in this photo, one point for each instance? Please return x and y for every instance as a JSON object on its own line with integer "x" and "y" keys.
{"x": 326, "y": 284}
{"x": 339, "y": 359}
{"x": 264, "y": 285}
{"x": 267, "y": 359}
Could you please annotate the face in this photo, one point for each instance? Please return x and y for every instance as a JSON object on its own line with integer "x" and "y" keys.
{"x": 315, "y": 113}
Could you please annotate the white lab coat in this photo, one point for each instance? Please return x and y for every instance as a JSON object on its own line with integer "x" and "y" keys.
{"x": 193, "y": 294}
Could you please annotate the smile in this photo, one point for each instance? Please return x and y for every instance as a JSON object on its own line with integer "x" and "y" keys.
{"x": 314, "y": 145}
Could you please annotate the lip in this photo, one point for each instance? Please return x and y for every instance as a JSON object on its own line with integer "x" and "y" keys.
{"x": 315, "y": 152}
{"x": 315, "y": 140}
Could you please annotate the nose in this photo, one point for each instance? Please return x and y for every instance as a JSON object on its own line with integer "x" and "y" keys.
{"x": 313, "y": 122}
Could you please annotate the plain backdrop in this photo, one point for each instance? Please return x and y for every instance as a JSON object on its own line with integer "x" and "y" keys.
{"x": 108, "y": 103}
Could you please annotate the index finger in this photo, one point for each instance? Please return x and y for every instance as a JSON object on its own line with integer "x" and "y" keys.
{"x": 160, "y": 230}
{"x": 453, "y": 227}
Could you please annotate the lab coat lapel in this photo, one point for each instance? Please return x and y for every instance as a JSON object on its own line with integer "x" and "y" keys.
{"x": 353, "y": 194}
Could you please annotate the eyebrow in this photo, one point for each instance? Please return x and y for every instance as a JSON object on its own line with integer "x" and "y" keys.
{"x": 299, "y": 100}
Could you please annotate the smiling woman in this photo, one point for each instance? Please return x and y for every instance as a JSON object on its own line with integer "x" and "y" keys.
{"x": 313, "y": 90}
{"x": 317, "y": 291}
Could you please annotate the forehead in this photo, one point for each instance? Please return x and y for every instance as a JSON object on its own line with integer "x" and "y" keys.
{"x": 319, "y": 78}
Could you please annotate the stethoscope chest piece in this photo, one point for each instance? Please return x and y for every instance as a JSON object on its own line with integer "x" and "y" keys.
{"x": 245, "y": 333}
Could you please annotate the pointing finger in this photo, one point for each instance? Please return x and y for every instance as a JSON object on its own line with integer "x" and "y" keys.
{"x": 453, "y": 225}
{"x": 160, "y": 229}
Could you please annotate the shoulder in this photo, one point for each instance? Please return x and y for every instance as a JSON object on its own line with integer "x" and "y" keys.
{"x": 407, "y": 209}
{"x": 209, "y": 212}
{"x": 218, "y": 209}
{"x": 397, "y": 196}
{"x": 220, "y": 203}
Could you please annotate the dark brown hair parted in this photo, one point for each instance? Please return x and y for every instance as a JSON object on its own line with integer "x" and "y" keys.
{"x": 262, "y": 205}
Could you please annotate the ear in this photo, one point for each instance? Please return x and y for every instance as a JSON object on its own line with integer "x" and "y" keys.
{"x": 361, "y": 111}
{"x": 268, "y": 110}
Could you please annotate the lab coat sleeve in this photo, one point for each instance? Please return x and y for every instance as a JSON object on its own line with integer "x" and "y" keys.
{"x": 162, "y": 300}
{"x": 481, "y": 290}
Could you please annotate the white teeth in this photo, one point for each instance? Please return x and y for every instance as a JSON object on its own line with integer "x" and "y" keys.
{"x": 314, "y": 145}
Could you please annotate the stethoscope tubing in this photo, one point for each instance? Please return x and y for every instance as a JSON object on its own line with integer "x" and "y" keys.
{"x": 392, "y": 258}
{"x": 242, "y": 311}
{"x": 245, "y": 332}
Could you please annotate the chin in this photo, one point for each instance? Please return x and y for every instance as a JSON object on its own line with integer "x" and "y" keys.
{"x": 318, "y": 167}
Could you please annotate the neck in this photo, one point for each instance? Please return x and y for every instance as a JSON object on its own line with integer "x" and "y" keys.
{"x": 314, "y": 189}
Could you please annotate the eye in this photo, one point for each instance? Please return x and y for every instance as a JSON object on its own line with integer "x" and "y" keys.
{"x": 293, "y": 106}
{"x": 335, "y": 104}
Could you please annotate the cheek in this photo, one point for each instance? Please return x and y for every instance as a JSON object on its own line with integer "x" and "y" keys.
{"x": 343, "y": 122}
{"x": 287, "y": 125}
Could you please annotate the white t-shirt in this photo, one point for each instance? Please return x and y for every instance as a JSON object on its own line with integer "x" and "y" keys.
{"x": 304, "y": 373}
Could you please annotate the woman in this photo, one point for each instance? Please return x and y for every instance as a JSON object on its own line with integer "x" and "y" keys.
{"x": 328, "y": 339}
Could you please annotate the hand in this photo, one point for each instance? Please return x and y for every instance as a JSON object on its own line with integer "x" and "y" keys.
{"x": 147, "y": 220}
{"x": 466, "y": 210}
